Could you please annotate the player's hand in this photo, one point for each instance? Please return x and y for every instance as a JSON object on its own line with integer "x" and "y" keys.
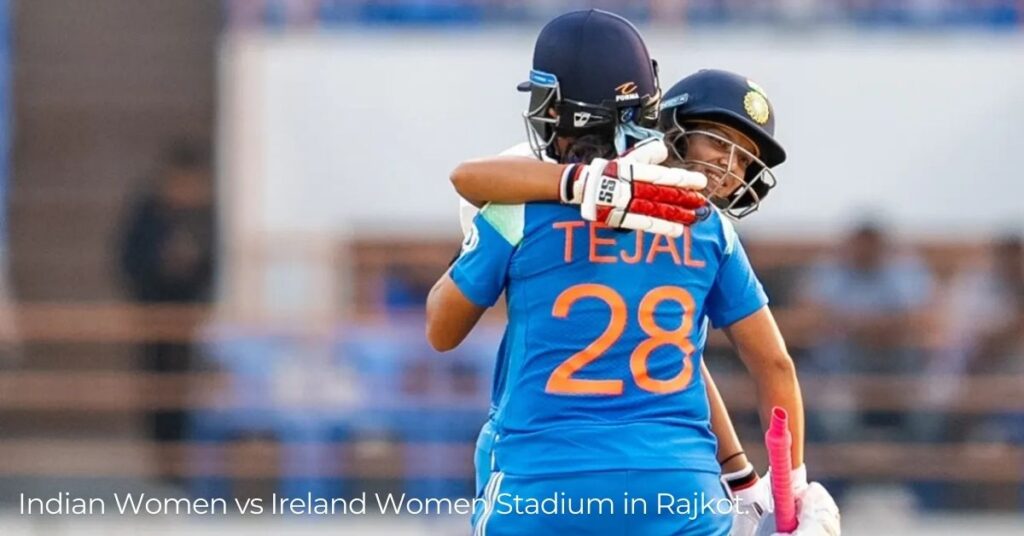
{"x": 816, "y": 513}
{"x": 752, "y": 497}
{"x": 633, "y": 192}
{"x": 816, "y": 510}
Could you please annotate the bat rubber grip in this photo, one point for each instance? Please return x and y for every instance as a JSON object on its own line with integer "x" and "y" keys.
{"x": 779, "y": 442}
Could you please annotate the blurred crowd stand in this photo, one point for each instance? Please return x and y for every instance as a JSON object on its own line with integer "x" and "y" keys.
{"x": 986, "y": 333}
{"x": 866, "y": 300}
{"x": 885, "y": 13}
{"x": 367, "y": 402}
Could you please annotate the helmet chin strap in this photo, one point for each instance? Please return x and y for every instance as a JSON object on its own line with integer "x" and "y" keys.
{"x": 630, "y": 129}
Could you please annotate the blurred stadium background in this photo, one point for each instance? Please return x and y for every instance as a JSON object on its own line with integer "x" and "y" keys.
{"x": 220, "y": 221}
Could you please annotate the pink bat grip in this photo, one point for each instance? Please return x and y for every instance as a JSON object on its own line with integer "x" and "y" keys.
{"x": 779, "y": 442}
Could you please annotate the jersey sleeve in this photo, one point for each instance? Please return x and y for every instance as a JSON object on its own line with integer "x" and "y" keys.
{"x": 736, "y": 293}
{"x": 481, "y": 271}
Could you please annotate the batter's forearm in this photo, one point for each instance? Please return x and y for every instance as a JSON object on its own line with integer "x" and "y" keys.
{"x": 507, "y": 180}
{"x": 761, "y": 348}
{"x": 778, "y": 386}
{"x": 730, "y": 450}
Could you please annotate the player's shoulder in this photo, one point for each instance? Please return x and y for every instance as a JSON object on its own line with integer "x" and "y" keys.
{"x": 509, "y": 221}
{"x": 513, "y": 222}
{"x": 716, "y": 228}
{"x": 516, "y": 222}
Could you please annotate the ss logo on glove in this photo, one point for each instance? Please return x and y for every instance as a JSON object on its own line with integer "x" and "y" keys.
{"x": 607, "y": 192}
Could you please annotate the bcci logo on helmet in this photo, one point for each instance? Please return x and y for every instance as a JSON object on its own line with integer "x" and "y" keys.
{"x": 627, "y": 92}
{"x": 756, "y": 104}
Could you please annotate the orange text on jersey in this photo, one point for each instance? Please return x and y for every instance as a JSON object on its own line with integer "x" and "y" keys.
{"x": 604, "y": 249}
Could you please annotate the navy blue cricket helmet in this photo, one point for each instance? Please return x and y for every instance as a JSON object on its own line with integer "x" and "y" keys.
{"x": 592, "y": 68}
{"x": 726, "y": 98}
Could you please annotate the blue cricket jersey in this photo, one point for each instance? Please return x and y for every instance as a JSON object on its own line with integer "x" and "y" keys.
{"x": 599, "y": 368}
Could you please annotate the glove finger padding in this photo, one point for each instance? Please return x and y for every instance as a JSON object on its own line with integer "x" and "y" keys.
{"x": 665, "y": 211}
{"x": 668, "y": 195}
{"x": 654, "y": 174}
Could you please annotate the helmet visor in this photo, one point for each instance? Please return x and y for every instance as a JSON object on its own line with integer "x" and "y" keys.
{"x": 737, "y": 181}
{"x": 545, "y": 93}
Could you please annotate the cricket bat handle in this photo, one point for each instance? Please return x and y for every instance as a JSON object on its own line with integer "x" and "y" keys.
{"x": 779, "y": 442}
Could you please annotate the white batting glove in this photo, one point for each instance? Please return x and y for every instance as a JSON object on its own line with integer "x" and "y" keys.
{"x": 816, "y": 511}
{"x": 632, "y": 193}
{"x": 753, "y": 499}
